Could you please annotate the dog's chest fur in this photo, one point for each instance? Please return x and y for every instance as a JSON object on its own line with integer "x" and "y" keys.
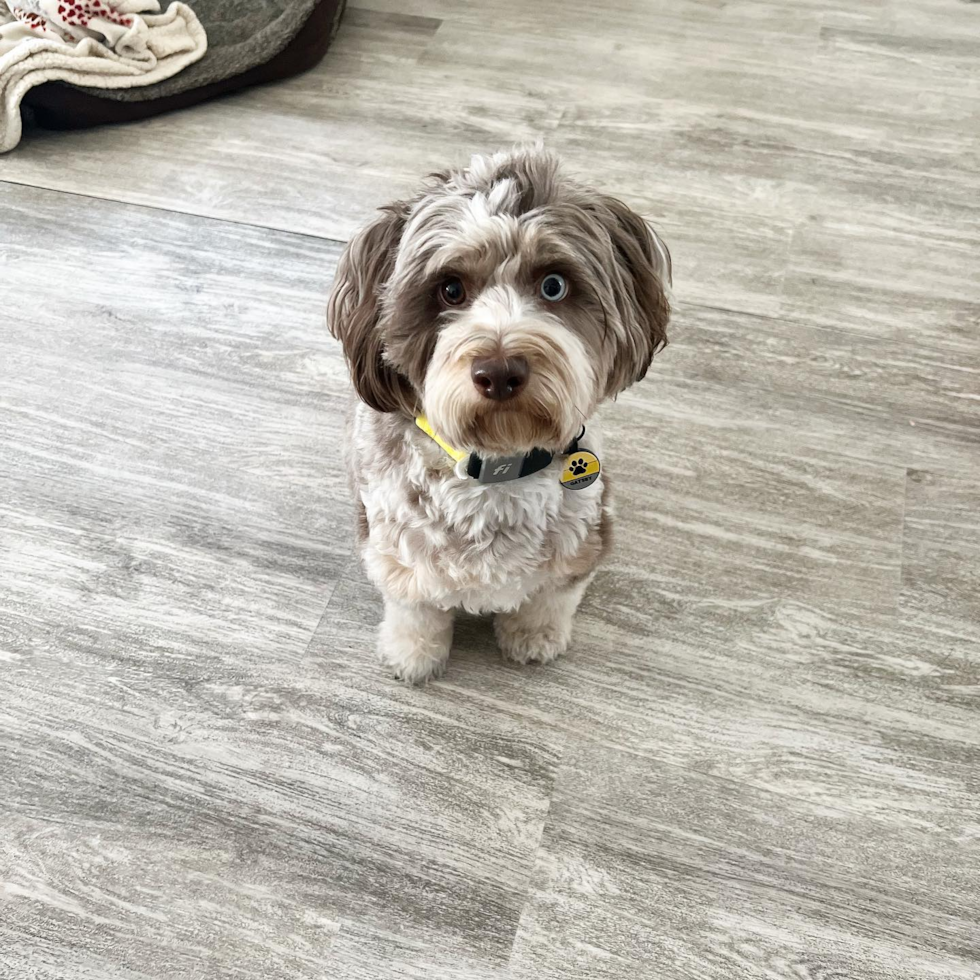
{"x": 431, "y": 536}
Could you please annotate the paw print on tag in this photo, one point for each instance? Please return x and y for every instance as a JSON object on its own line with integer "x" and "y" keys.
{"x": 581, "y": 470}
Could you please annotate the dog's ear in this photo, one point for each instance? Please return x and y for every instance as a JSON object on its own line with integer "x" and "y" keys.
{"x": 642, "y": 295}
{"x": 354, "y": 312}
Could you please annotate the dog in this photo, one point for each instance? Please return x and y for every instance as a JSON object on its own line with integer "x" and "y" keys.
{"x": 483, "y": 322}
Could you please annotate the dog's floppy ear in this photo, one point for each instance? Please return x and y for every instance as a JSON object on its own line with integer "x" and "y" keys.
{"x": 354, "y": 312}
{"x": 645, "y": 274}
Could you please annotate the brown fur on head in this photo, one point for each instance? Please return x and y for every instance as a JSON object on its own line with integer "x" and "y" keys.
{"x": 354, "y": 312}
{"x": 499, "y": 228}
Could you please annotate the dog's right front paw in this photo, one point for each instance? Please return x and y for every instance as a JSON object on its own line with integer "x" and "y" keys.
{"x": 411, "y": 657}
{"x": 414, "y": 641}
{"x": 412, "y": 664}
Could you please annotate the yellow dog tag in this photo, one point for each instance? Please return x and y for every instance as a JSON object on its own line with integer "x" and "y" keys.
{"x": 581, "y": 470}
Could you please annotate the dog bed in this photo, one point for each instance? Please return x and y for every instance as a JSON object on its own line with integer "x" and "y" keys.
{"x": 249, "y": 42}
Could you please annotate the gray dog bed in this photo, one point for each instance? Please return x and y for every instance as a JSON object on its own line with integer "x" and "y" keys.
{"x": 249, "y": 42}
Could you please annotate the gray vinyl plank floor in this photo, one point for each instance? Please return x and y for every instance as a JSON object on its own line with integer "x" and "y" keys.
{"x": 761, "y": 757}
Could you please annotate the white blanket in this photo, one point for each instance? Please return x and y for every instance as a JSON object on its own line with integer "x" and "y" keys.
{"x": 98, "y": 43}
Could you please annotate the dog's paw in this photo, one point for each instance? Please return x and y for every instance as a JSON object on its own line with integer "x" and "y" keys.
{"x": 528, "y": 638}
{"x": 412, "y": 658}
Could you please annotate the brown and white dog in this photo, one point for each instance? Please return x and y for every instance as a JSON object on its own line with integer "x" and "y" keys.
{"x": 483, "y": 322}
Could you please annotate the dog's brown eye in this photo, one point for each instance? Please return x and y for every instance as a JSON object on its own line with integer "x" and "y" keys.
{"x": 452, "y": 292}
{"x": 554, "y": 287}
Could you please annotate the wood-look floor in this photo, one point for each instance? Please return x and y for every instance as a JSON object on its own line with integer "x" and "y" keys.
{"x": 761, "y": 759}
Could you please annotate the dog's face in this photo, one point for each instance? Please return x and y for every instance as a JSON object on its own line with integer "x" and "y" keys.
{"x": 505, "y": 302}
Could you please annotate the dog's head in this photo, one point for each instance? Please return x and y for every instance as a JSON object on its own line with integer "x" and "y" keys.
{"x": 505, "y": 302}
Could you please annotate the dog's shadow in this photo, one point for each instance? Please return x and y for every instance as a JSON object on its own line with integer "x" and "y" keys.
{"x": 476, "y": 652}
{"x": 354, "y": 614}
{"x": 473, "y": 639}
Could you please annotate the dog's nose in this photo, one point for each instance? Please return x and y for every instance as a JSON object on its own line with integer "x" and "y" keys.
{"x": 499, "y": 378}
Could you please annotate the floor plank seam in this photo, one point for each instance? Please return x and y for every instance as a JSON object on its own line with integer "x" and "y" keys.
{"x": 187, "y": 214}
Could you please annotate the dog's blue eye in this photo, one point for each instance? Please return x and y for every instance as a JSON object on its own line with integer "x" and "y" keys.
{"x": 554, "y": 287}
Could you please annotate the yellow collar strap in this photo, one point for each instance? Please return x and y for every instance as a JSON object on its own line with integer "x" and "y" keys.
{"x": 423, "y": 423}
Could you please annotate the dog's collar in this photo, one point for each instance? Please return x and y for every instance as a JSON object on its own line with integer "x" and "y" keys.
{"x": 496, "y": 469}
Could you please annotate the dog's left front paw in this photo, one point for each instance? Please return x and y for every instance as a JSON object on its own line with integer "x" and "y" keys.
{"x": 525, "y": 637}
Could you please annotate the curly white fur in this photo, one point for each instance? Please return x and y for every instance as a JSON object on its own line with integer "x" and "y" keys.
{"x": 438, "y": 542}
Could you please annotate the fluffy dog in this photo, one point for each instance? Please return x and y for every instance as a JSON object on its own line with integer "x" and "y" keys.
{"x": 483, "y": 322}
